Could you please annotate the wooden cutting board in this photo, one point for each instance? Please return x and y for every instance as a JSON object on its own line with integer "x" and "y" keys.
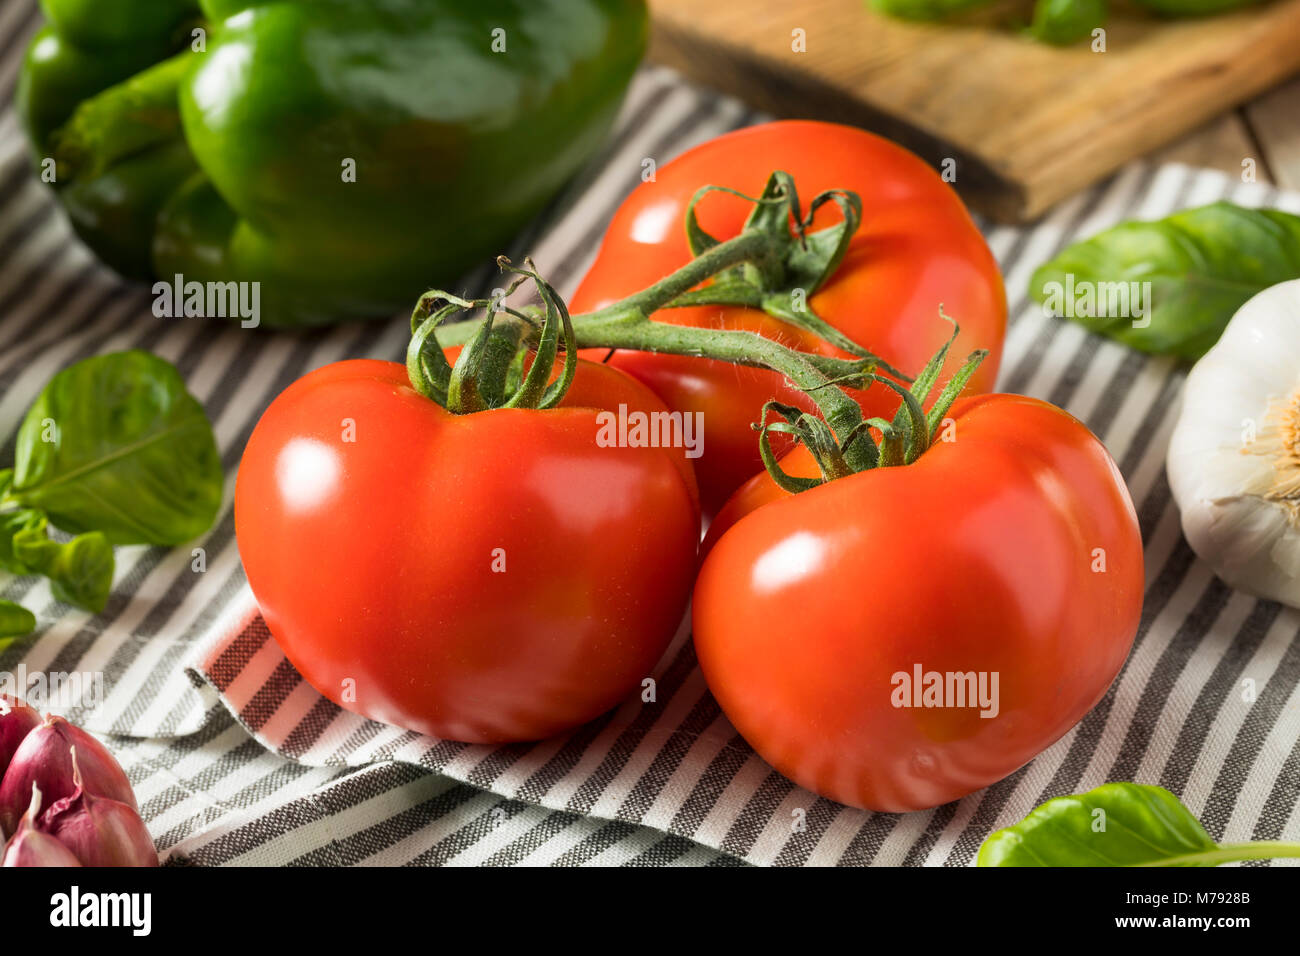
{"x": 1027, "y": 123}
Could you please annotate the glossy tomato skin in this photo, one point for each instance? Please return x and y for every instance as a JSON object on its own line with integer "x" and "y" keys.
{"x": 1013, "y": 549}
{"x": 916, "y": 249}
{"x": 490, "y": 577}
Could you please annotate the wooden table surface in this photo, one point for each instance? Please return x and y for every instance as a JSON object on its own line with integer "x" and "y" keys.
{"x": 1266, "y": 130}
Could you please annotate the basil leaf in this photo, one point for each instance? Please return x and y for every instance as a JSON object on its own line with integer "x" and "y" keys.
{"x": 15, "y": 620}
{"x": 116, "y": 444}
{"x": 1118, "y": 824}
{"x": 1202, "y": 265}
{"x": 11, "y": 524}
{"x": 80, "y": 570}
{"x": 1066, "y": 21}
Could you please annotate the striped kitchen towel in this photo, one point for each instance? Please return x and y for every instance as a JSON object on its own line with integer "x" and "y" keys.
{"x": 237, "y": 761}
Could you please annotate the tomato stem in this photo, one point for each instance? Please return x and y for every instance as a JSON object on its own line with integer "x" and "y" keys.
{"x": 775, "y": 264}
{"x": 902, "y": 440}
{"x": 489, "y": 370}
{"x": 630, "y": 328}
{"x": 627, "y": 325}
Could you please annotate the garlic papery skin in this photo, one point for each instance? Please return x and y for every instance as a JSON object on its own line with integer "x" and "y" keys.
{"x": 1234, "y": 457}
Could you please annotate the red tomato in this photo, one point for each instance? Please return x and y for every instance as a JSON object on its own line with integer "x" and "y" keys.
{"x": 488, "y": 577}
{"x": 915, "y": 250}
{"x": 1012, "y": 550}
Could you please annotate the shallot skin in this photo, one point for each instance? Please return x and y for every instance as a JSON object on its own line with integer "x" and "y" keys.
{"x": 44, "y": 760}
{"x": 100, "y": 831}
{"x": 34, "y": 848}
{"x": 17, "y": 720}
{"x": 30, "y": 847}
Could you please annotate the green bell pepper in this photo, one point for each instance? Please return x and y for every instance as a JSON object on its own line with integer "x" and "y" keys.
{"x": 346, "y": 155}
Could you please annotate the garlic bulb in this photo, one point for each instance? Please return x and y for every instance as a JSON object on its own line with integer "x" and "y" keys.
{"x": 1234, "y": 459}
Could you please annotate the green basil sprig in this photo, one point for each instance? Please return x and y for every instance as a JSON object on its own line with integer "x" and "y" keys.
{"x": 113, "y": 451}
{"x": 924, "y": 9}
{"x": 80, "y": 570}
{"x": 1118, "y": 824}
{"x": 1193, "y": 8}
{"x": 1202, "y": 265}
{"x": 1056, "y": 21}
{"x": 15, "y": 620}
{"x": 116, "y": 444}
{"x": 1061, "y": 22}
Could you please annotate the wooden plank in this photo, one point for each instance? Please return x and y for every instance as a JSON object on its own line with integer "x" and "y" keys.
{"x": 1027, "y": 123}
{"x": 1275, "y": 121}
{"x": 1223, "y": 144}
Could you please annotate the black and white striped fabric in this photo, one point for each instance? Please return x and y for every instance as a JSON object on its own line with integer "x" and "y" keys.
{"x": 237, "y": 761}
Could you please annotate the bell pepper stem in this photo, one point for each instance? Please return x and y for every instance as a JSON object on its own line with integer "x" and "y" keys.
{"x": 129, "y": 118}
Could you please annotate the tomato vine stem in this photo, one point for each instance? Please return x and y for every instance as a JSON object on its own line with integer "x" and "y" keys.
{"x": 775, "y": 264}
{"x": 627, "y": 325}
